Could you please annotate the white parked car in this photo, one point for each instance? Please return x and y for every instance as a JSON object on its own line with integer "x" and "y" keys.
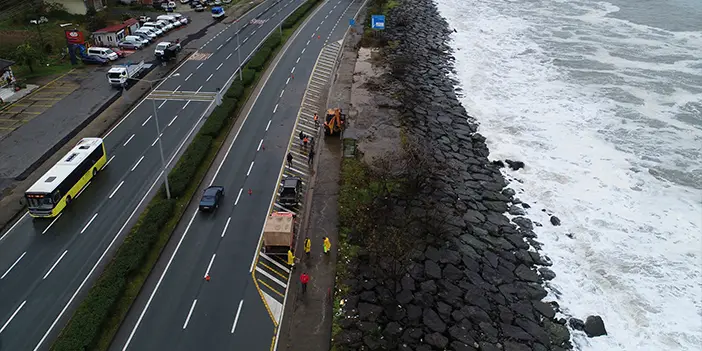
{"x": 160, "y": 47}
{"x": 184, "y": 1}
{"x": 137, "y": 38}
{"x": 174, "y": 22}
{"x": 104, "y": 53}
{"x": 159, "y": 29}
{"x": 149, "y": 31}
{"x": 179, "y": 17}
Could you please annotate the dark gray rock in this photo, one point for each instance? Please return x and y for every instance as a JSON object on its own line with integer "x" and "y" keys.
{"x": 576, "y": 324}
{"x": 452, "y": 273}
{"x": 432, "y": 320}
{"x": 594, "y": 326}
{"x": 558, "y": 333}
{"x": 544, "y": 309}
{"x": 513, "y": 346}
{"x": 369, "y": 312}
{"x": 515, "y": 333}
{"x": 461, "y": 334}
{"x": 432, "y": 253}
{"x": 369, "y": 296}
{"x": 437, "y": 340}
{"x": 546, "y": 273}
{"x": 459, "y": 346}
{"x": 516, "y": 210}
{"x": 523, "y": 222}
{"x": 555, "y": 221}
{"x": 428, "y": 286}
{"x": 392, "y": 330}
{"x": 473, "y": 216}
{"x": 349, "y": 337}
{"x": 432, "y": 270}
{"x": 515, "y": 165}
{"x": 372, "y": 342}
{"x": 486, "y": 346}
{"x": 525, "y": 273}
{"x": 404, "y": 297}
{"x": 414, "y": 313}
{"x": 408, "y": 283}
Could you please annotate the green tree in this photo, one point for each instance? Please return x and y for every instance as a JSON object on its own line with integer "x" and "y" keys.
{"x": 27, "y": 55}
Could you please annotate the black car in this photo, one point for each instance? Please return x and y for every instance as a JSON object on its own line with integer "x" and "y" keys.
{"x": 211, "y": 198}
{"x": 290, "y": 194}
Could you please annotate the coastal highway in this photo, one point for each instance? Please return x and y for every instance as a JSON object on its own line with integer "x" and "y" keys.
{"x": 178, "y": 309}
{"x": 45, "y": 264}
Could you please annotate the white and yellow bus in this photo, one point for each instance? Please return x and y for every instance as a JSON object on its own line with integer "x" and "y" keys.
{"x": 62, "y": 183}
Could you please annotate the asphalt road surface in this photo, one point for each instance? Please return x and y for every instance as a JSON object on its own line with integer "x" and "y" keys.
{"x": 179, "y": 309}
{"x": 44, "y": 264}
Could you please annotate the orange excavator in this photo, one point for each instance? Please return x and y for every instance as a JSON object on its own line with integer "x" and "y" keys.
{"x": 335, "y": 121}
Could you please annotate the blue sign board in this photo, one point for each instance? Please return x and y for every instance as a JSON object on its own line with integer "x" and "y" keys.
{"x": 378, "y": 22}
{"x": 352, "y": 22}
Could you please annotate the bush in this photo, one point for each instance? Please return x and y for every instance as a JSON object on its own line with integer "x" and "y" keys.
{"x": 249, "y": 75}
{"x": 259, "y": 59}
{"x": 219, "y": 118}
{"x": 236, "y": 90}
{"x": 181, "y": 175}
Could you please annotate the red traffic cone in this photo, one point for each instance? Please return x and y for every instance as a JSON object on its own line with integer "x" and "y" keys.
{"x": 263, "y": 146}
{"x": 207, "y": 277}
{"x": 249, "y": 191}
{"x": 292, "y": 76}
{"x": 319, "y": 36}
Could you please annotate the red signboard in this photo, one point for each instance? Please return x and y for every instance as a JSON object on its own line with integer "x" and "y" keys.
{"x": 74, "y": 36}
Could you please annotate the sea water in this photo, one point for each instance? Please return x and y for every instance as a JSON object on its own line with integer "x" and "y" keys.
{"x": 603, "y": 102}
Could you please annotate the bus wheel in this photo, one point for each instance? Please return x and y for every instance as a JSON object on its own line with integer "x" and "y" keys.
{"x": 94, "y": 171}
{"x": 68, "y": 199}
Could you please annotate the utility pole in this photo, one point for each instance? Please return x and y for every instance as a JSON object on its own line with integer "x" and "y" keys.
{"x": 238, "y": 48}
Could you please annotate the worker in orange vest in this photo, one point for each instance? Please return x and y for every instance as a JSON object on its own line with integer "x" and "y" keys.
{"x": 316, "y": 120}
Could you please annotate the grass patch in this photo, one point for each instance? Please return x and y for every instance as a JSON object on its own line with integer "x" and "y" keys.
{"x": 99, "y": 316}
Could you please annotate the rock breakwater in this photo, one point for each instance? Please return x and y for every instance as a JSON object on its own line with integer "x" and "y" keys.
{"x": 480, "y": 283}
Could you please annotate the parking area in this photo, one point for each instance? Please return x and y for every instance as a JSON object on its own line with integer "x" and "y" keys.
{"x": 40, "y": 100}
{"x": 272, "y": 273}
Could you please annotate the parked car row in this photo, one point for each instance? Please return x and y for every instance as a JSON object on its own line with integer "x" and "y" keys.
{"x": 149, "y": 31}
{"x": 101, "y": 55}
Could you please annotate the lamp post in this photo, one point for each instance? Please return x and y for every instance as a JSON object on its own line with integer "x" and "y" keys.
{"x": 158, "y": 131}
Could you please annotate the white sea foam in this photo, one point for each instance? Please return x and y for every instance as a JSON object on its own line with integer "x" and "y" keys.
{"x": 607, "y": 115}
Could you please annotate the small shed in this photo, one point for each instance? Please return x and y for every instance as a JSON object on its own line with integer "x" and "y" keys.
{"x": 132, "y": 25}
{"x": 110, "y": 36}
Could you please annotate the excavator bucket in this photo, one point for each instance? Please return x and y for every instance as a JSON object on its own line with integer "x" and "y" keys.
{"x": 333, "y": 123}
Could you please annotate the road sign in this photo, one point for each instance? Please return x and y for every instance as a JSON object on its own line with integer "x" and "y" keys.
{"x": 378, "y": 21}
{"x": 352, "y": 22}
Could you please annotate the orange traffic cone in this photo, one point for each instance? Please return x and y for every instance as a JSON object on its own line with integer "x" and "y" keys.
{"x": 207, "y": 277}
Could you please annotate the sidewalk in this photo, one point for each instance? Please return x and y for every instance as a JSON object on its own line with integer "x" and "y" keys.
{"x": 307, "y": 321}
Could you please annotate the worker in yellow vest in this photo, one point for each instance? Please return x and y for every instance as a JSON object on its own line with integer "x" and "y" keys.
{"x": 327, "y": 245}
{"x": 291, "y": 258}
{"x": 308, "y": 246}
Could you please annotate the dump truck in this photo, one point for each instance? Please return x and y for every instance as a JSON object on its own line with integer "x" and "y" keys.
{"x": 279, "y": 233}
{"x": 334, "y": 121}
{"x": 119, "y": 75}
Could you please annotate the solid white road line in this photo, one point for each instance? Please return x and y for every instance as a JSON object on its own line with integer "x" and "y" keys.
{"x": 164, "y": 101}
{"x": 250, "y": 167}
{"x": 185, "y": 325}
{"x": 236, "y": 318}
{"x": 173, "y": 120}
{"x": 108, "y": 161}
{"x": 238, "y": 197}
{"x": 12, "y": 316}
{"x": 13, "y": 265}
{"x": 52, "y": 223}
{"x": 128, "y": 140}
{"x": 188, "y": 77}
{"x": 90, "y": 221}
{"x": 269, "y": 123}
{"x": 146, "y": 121}
{"x": 226, "y": 225}
{"x": 55, "y": 264}
{"x": 138, "y": 162}
{"x": 153, "y": 293}
{"x": 117, "y": 188}
{"x": 207, "y": 272}
{"x": 259, "y": 145}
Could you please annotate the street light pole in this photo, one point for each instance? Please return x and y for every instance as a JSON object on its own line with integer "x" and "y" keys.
{"x": 238, "y": 48}
{"x": 160, "y": 146}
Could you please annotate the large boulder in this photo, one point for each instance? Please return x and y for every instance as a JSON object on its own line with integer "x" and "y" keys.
{"x": 594, "y": 326}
